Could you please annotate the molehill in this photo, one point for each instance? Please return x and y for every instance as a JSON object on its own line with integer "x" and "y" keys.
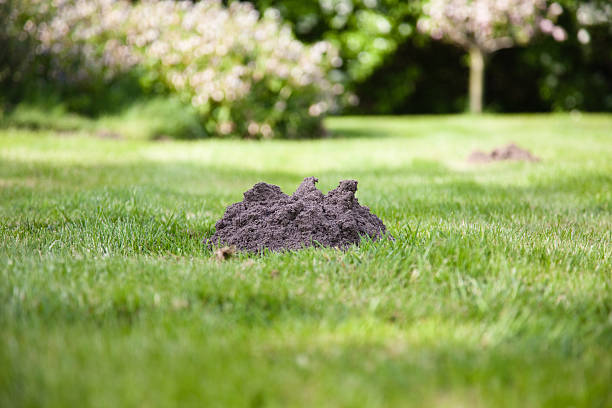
{"x": 508, "y": 152}
{"x": 269, "y": 218}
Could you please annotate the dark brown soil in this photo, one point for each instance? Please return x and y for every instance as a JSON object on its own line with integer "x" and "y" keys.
{"x": 269, "y": 218}
{"x": 508, "y": 152}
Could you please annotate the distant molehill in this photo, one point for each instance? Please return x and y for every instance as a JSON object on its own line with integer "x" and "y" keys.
{"x": 508, "y": 152}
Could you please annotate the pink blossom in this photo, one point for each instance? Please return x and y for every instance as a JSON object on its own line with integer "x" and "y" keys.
{"x": 547, "y": 26}
{"x": 555, "y": 10}
{"x": 559, "y": 34}
{"x": 489, "y": 24}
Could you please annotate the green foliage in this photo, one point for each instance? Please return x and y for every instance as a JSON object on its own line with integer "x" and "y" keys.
{"x": 576, "y": 75}
{"x": 365, "y": 31}
{"x": 416, "y": 75}
{"x": 52, "y": 117}
{"x": 496, "y": 291}
{"x": 155, "y": 118}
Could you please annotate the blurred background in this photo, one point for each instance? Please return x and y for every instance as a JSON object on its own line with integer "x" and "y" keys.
{"x": 272, "y": 68}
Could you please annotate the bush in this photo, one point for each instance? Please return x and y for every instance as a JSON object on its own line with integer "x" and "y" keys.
{"x": 244, "y": 75}
{"x": 151, "y": 118}
{"x": 154, "y": 118}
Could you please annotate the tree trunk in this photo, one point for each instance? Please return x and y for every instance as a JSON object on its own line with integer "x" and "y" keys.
{"x": 477, "y": 67}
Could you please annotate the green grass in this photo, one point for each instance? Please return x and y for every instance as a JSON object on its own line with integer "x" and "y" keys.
{"x": 142, "y": 120}
{"x": 496, "y": 292}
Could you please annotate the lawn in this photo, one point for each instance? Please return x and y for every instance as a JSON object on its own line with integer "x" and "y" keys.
{"x": 497, "y": 291}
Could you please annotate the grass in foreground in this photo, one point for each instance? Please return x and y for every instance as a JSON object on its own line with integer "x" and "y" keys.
{"x": 497, "y": 291}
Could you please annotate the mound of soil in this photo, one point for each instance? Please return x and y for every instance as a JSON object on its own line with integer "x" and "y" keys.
{"x": 269, "y": 218}
{"x": 508, "y": 152}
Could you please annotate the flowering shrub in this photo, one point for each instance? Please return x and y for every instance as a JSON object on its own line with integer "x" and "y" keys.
{"x": 245, "y": 75}
{"x": 490, "y": 24}
{"x": 484, "y": 26}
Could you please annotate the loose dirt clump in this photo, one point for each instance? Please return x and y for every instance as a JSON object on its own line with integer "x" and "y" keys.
{"x": 269, "y": 218}
{"x": 508, "y": 152}
{"x": 225, "y": 253}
